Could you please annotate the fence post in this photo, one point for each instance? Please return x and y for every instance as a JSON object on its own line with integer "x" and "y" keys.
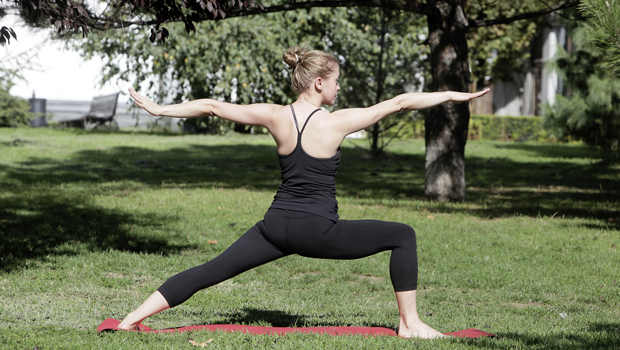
{"x": 38, "y": 106}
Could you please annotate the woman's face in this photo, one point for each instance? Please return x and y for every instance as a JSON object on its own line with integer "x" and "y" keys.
{"x": 331, "y": 87}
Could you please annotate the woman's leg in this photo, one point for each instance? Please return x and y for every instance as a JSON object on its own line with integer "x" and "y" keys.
{"x": 352, "y": 239}
{"x": 250, "y": 250}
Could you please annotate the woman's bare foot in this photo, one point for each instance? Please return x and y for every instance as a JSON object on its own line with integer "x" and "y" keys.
{"x": 153, "y": 304}
{"x": 418, "y": 329}
{"x": 129, "y": 323}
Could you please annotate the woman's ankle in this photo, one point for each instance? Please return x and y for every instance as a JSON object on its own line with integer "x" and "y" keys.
{"x": 411, "y": 321}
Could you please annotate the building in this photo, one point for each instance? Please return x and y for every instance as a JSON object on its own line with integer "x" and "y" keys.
{"x": 528, "y": 91}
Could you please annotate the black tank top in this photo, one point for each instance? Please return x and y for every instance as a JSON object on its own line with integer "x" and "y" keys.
{"x": 308, "y": 183}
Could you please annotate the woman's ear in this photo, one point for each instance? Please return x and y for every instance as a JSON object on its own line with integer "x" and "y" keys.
{"x": 318, "y": 84}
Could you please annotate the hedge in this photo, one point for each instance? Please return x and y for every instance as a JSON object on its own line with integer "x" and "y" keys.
{"x": 488, "y": 127}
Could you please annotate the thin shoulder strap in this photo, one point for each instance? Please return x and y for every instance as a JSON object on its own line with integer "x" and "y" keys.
{"x": 295, "y": 119}
{"x": 308, "y": 119}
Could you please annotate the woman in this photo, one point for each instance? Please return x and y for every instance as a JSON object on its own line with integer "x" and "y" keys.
{"x": 303, "y": 217}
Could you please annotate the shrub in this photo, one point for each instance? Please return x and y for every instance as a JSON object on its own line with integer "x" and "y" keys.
{"x": 487, "y": 127}
{"x": 507, "y": 128}
{"x": 14, "y": 111}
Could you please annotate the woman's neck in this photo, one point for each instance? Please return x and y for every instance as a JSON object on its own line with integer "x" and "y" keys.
{"x": 312, "y": 99}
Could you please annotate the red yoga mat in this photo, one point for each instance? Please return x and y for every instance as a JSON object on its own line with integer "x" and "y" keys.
{"x": 111, "y": 324}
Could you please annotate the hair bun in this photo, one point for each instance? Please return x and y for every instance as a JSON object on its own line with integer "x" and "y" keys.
{"x": 306, "y": 65}
{"x": 293, "y": 56}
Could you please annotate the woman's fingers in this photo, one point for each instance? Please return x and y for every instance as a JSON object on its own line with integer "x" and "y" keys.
{"x": 483, "y": 92}
{"x": 143, "y": 102}
{"x": 139, "y": 99}
{"x": 465, "y": 96}
{"x": 133, "y": 95}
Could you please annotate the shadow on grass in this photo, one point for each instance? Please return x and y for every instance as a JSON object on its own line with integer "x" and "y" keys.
{"x": 497, "y": 187}
{"x": 197, "y": 165}
{"x": 34, "y": 226}
{"x": 596, "y": 336}
{"x": 277, "y": 318}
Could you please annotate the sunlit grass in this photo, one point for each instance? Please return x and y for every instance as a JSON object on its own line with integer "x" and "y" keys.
{"x": 93, "y": 223}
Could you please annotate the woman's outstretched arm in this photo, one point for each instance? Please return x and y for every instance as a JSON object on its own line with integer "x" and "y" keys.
{"x": 254, "y": 114}
{"x": 353, "y": 119}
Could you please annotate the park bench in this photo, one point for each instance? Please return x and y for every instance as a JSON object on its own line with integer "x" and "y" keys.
{"x": 102, "y": 110}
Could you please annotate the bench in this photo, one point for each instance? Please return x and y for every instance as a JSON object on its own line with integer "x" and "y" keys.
{"x": 102, "y": 110}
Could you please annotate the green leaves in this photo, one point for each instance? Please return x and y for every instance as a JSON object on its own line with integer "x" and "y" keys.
{"x": 498, "y": 51}
{"x": 240, "y": 59}
{"x": 14, "y": 111}
{"x": 603, "y": 30}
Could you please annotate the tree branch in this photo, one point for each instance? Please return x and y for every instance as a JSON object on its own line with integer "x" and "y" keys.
{"x": 410, "y": 6}
{"x": 526, "y": 15}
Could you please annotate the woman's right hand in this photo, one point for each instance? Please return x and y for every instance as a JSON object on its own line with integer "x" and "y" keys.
{"x": 466, "y": 96}
{"x": 145, "y": 103}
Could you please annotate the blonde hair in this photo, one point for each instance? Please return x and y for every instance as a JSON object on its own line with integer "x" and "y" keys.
{"x": 306, "y": 65}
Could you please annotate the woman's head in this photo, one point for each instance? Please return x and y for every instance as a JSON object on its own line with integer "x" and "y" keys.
{"x": 308, "y": 65}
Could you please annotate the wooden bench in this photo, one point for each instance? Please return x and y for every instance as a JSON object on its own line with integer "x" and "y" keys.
{"x": 102, "y": 110}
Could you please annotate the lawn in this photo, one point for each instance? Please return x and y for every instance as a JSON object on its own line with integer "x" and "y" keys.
{"x": 92, "y": 223}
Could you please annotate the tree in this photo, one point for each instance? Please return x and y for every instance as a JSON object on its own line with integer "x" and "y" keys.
{"x": 198, "y": 65}
{"x": 447, "y": 126}
{"x": 384, "y": 56}
{"x": 448, "y": 23}
{"x": 202, "y": 64}
{"x": 14, "y": 111}
{"x": 501, "y": 50}
{"x": 603, "y": 30}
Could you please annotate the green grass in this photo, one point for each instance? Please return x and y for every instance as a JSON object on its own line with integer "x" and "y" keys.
{"x": 92, "y": 223}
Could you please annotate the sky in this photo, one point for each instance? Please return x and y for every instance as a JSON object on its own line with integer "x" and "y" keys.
{"x": 59, "y": 73}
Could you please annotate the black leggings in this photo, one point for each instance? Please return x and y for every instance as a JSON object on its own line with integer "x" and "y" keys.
{"x": 285, "y": 232}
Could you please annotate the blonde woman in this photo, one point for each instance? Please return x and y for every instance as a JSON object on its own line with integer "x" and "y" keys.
{"x": 303, "y": 217}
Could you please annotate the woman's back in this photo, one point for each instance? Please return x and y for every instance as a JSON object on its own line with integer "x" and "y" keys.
{"x": 308, "y": 179}
{"x": 318, "y": 140}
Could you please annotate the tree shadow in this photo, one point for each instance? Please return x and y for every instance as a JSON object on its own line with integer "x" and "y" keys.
{"x": 198, "y": 165}
{"x": 277, "y": 318}
{"x": 597, "y": 336}
{"x": 35, "y": 226}
{"x": 497, "y": 187}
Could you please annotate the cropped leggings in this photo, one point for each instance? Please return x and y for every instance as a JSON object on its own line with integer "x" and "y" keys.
{"x": 285, "y": 232}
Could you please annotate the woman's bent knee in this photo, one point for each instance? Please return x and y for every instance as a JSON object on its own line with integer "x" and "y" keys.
{"x": 408, "y": 235}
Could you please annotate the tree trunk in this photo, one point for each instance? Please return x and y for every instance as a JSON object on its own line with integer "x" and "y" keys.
{"x": 380, "y": 78}
{"x": 446, "y": 125}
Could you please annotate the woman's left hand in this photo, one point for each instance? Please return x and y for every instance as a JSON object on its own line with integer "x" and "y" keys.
{"x": 145, "y": 103}
{"x": 465, "y": 96}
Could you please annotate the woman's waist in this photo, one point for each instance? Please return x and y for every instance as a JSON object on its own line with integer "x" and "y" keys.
{"x": 307, "y": 190}
{"x": 328, "y": 209}
{"x": 301, "y": 196}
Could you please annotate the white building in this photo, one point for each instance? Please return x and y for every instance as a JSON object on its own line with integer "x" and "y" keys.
{"x": 528, "y": 91}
